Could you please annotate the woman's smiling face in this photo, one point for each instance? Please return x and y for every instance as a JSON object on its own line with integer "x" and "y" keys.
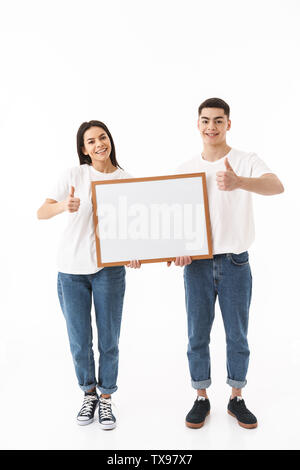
{"x": 96, "y": 144}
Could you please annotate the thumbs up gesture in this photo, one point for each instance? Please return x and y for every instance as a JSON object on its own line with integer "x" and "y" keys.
{"x": 72, "y": 203}
{"x": 227, "y": 180}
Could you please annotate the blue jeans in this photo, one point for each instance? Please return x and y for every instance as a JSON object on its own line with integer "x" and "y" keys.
{"x": 227, "y": 276}
{"x": 75, "y": 292}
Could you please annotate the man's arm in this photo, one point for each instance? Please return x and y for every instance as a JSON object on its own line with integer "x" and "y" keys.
{"x": 267, "y": 184}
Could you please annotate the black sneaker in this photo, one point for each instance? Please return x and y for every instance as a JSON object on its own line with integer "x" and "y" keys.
{"x": 106, "y": 417}
{"x": 237, "y": 409}
{"x": 86, "y": 414}
{"x": 196, "y": 417}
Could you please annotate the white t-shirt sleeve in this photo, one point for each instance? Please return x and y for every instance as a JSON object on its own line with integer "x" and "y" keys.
{"x": 258, "y": 166}
{"x": 61, "y": 189}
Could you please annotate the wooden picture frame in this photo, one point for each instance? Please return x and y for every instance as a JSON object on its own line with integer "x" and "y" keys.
{"x": 156, "y": 196}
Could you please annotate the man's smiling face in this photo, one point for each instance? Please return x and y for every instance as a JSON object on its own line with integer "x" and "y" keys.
{"x": 213, "y": 125}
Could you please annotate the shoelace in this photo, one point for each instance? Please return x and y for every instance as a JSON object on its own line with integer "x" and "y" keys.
{"x": 105, "y": 408}
{"x": 87, "y": 405}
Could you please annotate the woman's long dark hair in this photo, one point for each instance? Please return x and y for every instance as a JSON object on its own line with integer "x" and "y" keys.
{"x": 86, "y": 158}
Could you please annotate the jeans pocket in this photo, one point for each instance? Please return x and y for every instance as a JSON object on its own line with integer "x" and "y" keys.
{"x": 240, "y": 259}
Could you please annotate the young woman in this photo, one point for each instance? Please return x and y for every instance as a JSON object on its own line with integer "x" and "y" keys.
{"x": 79, "y": 278}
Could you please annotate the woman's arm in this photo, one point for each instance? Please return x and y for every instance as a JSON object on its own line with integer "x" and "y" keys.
{"x": 50, "y": 208}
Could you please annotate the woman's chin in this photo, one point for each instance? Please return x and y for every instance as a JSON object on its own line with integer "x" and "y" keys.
{"x": 100, "y": 159}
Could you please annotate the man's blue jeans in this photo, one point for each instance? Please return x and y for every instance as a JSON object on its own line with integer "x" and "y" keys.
{"x": 227, "y": 276}
{"x": 75, "y": 291}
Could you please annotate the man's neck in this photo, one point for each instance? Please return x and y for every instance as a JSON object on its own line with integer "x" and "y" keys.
{"x": 212, "y": 153}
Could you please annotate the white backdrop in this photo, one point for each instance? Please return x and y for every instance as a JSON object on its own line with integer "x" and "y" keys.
{"x": 143, "y": 67}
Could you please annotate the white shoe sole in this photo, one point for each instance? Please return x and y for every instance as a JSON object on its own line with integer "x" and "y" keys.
{"x": 84, "y": 422}
{"x": 108, "y": 426}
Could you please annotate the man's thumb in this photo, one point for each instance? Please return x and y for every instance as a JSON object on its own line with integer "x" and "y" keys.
{"x": 72, "y": 191}
{"x": 227, "y": 164}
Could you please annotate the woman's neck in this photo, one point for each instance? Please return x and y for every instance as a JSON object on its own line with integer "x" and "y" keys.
{"x": 104, "y": 167}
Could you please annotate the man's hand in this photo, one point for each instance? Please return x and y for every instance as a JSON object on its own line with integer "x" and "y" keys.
{"x": 227, "y": 180}
{"x": 181, "y": 261}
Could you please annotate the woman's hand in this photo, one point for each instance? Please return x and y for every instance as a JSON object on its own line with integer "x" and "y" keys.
{"x": 181, "y": 261}
{"x": 134, "y": 264}
{"x": 72, "y": 203}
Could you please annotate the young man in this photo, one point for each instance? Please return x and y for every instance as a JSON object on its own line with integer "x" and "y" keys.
{"x": 231, "y": 175}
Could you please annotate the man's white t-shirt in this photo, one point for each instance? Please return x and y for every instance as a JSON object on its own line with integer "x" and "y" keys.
{"x": 77, "y": 249}
{"x": 231, "y": 212}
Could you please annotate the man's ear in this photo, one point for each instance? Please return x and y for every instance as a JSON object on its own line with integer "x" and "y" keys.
{"x": 229, "y": 125}
{"x": 198, "y": 123}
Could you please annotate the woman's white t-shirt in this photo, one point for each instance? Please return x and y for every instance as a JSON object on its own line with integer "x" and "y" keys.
{"x": 231, "y": 212}
{"x": 77, "y": 249}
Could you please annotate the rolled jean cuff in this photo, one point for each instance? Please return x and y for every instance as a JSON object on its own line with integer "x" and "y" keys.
{"x": 236, "y": 383}
{"x": 107, "y": 391}
{"x": 201, "y": 384}
{"x": 86, "y": 388}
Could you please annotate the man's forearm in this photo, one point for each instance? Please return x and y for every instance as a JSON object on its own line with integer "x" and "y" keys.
{"x": 266, "y": 185}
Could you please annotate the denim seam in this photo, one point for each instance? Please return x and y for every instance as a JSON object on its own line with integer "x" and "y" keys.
{"x": 201, "y": 384}
{"x": 86, "y": 388}
{"x": 235, "y": 263}
{"x": 107, "y": 390}
{"x": 236, "y": 383}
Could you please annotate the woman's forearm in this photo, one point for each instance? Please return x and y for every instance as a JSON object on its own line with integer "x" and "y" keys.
{"x": 50, "y": 209}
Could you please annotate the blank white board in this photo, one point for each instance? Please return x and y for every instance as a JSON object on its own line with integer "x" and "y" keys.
{"x": 151, "y": 219}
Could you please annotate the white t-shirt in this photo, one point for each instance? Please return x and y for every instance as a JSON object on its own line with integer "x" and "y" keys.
{"x": 77, "y": 250}
{"x": 231, "y": 212}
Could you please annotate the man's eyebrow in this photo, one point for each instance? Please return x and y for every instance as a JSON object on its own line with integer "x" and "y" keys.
{"x": 218, "y": 117}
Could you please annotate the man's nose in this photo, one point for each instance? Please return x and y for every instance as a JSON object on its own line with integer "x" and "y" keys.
{"x": 211, "y": 126}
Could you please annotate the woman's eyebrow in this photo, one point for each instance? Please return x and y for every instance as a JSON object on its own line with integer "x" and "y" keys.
{"x": 93, "y": 138}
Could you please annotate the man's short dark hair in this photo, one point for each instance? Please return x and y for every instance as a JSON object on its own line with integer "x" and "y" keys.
{"x": 215, "y": 103}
